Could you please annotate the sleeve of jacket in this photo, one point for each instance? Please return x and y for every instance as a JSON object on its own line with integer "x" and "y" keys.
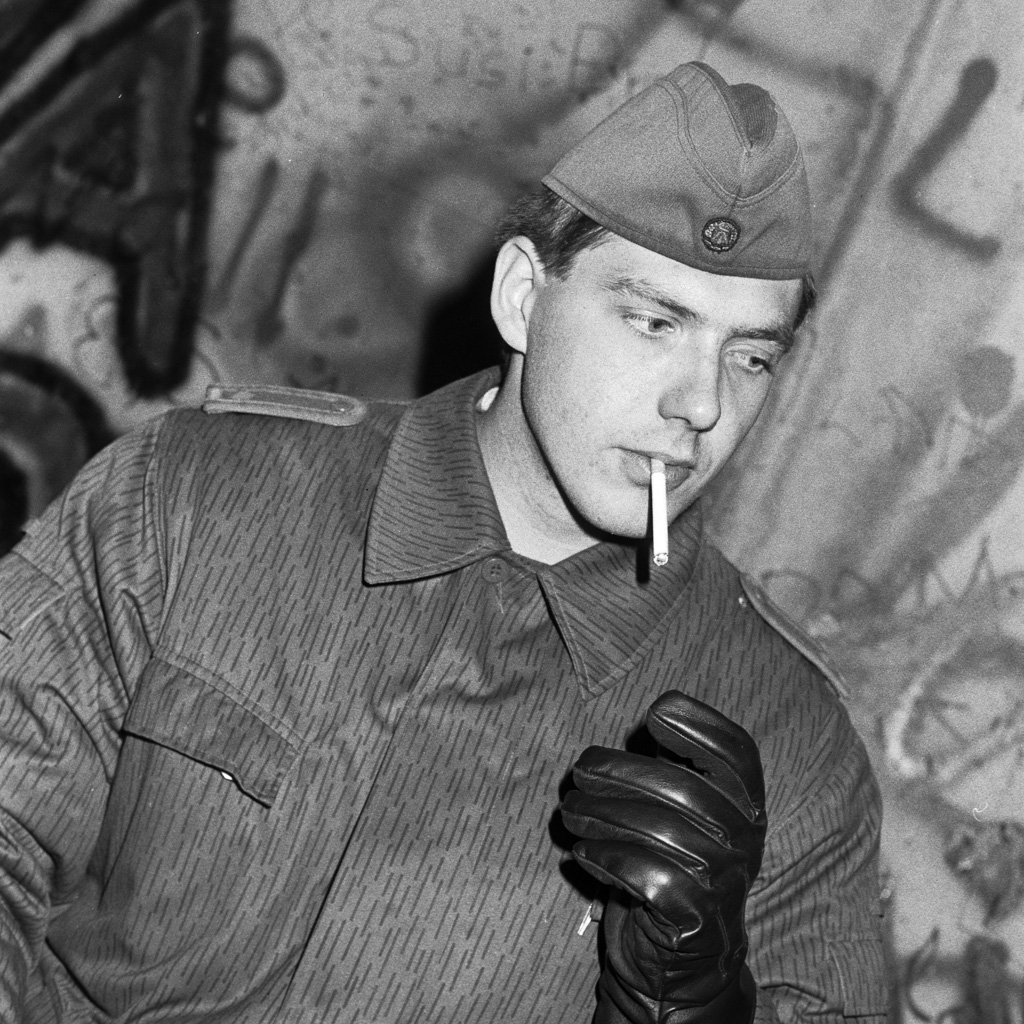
{"x": 814, "y": 917}
{"x": 80, "y": 603}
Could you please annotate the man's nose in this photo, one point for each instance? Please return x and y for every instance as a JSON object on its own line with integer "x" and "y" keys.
{"x": 693, "y": 392}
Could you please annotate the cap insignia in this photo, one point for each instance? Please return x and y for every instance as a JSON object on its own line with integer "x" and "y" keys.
{"x": 720, "y": 234}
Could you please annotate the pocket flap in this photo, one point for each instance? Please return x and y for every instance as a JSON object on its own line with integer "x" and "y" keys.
{"x": 198, "y": 717}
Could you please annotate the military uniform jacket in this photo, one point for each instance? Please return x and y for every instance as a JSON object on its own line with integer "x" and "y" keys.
{"x": 284, "y": 725}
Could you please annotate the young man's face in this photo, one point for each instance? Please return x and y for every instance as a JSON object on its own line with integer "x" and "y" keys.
{"x": 633, "y": 356}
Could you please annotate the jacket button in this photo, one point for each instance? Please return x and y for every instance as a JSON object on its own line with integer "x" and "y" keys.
{"x": 494, "y": 570}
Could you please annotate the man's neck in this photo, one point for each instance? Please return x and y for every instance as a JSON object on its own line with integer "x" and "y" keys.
{"x": 532, "y": 511}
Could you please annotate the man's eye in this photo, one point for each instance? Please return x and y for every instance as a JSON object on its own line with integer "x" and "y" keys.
{"x": 755, "y": 362}
{"x": 648, "y": 324}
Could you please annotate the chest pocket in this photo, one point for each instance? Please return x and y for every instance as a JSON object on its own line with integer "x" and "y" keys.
{"x": 196, "y": 713}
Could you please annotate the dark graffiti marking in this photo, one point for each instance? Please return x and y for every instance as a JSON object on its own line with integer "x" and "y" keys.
{"x": 977, "y": 80}
{"x": 912, "y": 430}
{"x": 288, "y": 251}
{"x": 596, "y": 52}
{"x": 47, "y": 415}
{"x": 23, "y": 24}
{"x": 943, "y": 463}
{"x": 254, "y": 80}
{"x": 313, "y": 371}
{"x": 113, "y": 153}
{"x": 400, "y": 47}
{"x": 477, "y": 54}
{"x": 990, "y": 991}
{"x": 985, "y": 378}
{"x": 989, "y": 857}
{"x": 266, "y": 186}
{"x": 866, "y": 610}
{"x": 294, "y": 244}
{"x": 959, "y": 721}
{"x": 987, "y": 989}
{"x": 42, "y": 375}
{"x": 957, "y": 711}
{"x": 710, "y": 17}
{"x": 490, "y": 56}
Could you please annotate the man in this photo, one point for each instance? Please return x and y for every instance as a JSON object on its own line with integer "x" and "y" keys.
{"x": 292, "y": 687}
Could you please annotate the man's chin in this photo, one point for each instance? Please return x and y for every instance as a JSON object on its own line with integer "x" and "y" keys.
{"x": 615, "y": 512}
{"x": 604, "y": 525}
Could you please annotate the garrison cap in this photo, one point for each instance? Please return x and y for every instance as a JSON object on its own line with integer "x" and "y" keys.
{"x": 705, "y": 173}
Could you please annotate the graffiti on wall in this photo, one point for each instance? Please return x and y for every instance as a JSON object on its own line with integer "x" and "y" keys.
{"x": 111, "y": 151}
{"x": 977, "y": 80}
{"x": 106, "y": 146}
{"x": 936, "y": 664}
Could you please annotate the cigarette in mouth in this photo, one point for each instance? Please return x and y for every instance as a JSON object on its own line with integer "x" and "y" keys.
{"x": 659, "y": 512}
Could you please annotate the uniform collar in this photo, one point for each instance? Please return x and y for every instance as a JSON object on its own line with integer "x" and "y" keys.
{"x": 434, "y": 512}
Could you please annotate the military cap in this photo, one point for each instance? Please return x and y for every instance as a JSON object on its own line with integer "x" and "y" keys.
{"x": 705, "y": 173}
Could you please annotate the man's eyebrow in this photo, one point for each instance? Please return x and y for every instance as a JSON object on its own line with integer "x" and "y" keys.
{"x": 782, "y": 335}
{"x": 631, "y": 287}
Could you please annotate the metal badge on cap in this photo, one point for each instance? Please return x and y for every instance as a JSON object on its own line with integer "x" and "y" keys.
{"x": 720, "y": 234}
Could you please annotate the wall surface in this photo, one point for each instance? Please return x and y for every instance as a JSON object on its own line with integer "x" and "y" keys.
{"x": 304, "y": 193}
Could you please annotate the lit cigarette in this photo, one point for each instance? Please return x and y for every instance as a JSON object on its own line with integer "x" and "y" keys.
{"x": 659, "y": 512}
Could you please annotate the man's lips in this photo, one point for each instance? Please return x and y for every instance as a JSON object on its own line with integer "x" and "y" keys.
{"x": 677, "y": 473}
{"x": 677, "y": 470}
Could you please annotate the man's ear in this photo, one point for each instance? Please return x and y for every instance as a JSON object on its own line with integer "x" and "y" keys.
{"x": 518, "y": 278}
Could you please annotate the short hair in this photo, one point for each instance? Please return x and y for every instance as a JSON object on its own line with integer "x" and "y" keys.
{"x": 560, "y": 232}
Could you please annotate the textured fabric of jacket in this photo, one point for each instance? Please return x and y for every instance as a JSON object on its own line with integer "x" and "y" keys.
{"x": 284, "y": 725}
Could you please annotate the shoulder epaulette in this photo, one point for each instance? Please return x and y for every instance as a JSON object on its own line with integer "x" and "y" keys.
{"x": 290, "y": 403}
{"x": 798, "y": 637}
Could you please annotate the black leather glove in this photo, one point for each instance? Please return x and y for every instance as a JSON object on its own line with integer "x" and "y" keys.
{"x": 680, "y": 837}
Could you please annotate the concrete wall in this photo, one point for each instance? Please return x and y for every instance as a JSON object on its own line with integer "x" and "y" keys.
{"x": 304, "y": 192}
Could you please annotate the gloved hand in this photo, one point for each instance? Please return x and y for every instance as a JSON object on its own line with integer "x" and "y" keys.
{"x": 681, "y": 836}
